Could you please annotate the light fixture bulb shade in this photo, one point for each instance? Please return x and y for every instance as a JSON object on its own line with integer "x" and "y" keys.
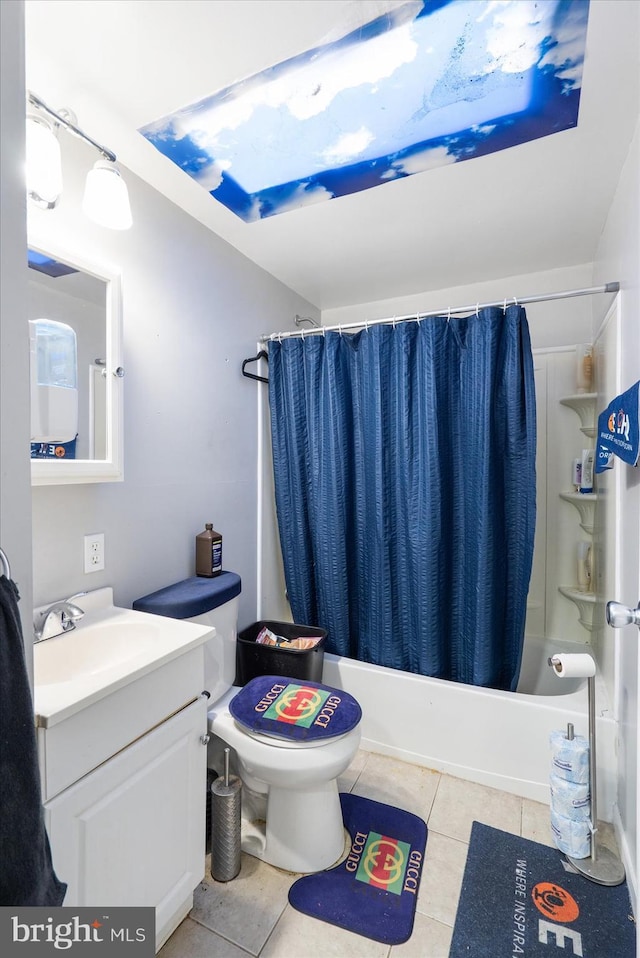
{"x": 44, "y": 165}
{"x": 106, "y": 198}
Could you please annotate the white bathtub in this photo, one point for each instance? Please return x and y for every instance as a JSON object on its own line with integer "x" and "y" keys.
{"x": 500, "y": 739}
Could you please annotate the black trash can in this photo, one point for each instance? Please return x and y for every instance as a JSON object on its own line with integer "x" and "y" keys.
{"x": 253, "y": 658}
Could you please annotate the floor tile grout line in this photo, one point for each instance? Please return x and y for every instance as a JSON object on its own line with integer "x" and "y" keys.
{"x": 275, "y": 925}
{"x": 230, "y": 941}
{"x": 433, "y": 800}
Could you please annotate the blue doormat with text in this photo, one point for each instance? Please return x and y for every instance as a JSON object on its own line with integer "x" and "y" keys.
{"x": 373, "y": 892}
{"x": 519, "y": 899}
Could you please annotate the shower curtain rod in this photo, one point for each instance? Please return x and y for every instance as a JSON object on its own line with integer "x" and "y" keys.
{"x": 449, "y": 311}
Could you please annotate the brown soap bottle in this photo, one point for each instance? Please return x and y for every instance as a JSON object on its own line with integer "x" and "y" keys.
{"x": 209, "y": 552}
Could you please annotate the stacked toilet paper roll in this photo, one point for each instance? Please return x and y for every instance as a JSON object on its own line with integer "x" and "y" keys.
{"x": 570, "y": 803}
{"x": 569, "y": 780}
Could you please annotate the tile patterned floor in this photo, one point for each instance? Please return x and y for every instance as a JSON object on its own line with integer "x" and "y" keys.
{"x": 250, "y": 917}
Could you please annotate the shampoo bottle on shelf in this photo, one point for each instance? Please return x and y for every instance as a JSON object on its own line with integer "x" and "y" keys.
{"x": 584, "y": 567}
{"x": 584, "y": 367}
{"x": 586, "y": 476}
{"x": 209, "y": 552}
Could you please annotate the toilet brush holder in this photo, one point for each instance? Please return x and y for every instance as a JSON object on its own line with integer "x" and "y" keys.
{"x": 226, "y": 806}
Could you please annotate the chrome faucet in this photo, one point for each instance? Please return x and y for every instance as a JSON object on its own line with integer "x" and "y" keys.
{"x": 58, "y": 618}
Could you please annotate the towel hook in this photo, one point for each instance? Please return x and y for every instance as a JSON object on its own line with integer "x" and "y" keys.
{"x": 4, "y": 563}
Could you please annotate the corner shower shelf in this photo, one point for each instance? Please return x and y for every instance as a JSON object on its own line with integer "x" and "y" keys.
{"x": 585, "y": 504}
{"x": 586, "y": 602}
{"x": 584, "y": 405}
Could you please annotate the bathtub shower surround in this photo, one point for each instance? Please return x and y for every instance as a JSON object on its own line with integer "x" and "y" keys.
{"x": 404, "y": 463}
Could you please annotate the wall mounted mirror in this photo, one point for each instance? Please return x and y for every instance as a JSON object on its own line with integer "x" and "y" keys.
{"x": 75, "y": 339}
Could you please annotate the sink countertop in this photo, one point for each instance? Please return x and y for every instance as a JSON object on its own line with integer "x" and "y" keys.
{"x": 109, "y": 648}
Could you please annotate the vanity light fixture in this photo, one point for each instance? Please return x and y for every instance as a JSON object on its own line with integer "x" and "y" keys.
{"x": 44, "y": 166}
{"x": 106, "y": 199}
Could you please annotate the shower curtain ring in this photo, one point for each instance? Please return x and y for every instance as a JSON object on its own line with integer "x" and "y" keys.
{"x": 515, "y": 301}
{"x": 504, "y": 305}
{"x": 477, "y": 310}
{"x": 449, "y": 315}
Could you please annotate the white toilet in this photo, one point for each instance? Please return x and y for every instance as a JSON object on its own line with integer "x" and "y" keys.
{"x": 291, "y": 815}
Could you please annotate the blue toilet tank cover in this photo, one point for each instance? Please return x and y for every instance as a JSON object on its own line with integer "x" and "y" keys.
{"x": 294, "y": 709}
{"x": 191, "y": 597}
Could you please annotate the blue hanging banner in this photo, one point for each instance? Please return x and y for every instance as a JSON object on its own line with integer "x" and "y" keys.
{"x": 618, "y": 430}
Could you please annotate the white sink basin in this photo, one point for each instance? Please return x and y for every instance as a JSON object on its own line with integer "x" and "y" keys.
{"x": 108, "y": 648}
{"x": 89, "y": 650}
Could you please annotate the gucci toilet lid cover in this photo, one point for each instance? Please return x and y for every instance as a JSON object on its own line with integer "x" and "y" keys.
{"x": 294, "y": 709}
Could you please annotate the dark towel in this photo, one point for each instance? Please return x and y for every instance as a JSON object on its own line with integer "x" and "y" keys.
{"x": 26, "y": 870}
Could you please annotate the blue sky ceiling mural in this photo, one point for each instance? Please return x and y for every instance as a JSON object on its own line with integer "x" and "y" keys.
{"x": 430, "y": 83}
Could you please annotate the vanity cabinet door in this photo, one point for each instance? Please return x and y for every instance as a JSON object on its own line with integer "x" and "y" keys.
{"x": 132, "y": 832}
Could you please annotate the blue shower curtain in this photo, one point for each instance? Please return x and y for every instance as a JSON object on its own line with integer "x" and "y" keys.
{"x": 404, "y": 465}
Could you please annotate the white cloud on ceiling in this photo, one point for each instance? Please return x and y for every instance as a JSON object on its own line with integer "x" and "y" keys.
{"x": 304, "y": 195}
{"x": 348, "y": 146}
{"x": 428, "y": 159}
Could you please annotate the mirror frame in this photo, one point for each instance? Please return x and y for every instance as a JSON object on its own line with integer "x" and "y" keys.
{"x": 110, "y": 469}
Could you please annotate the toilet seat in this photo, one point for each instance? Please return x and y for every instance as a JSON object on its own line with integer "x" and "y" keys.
{"x": 289, "y": 712}
{"x": 276, "y": 742}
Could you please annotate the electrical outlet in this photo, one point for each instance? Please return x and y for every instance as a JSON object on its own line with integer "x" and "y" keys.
{"x": 94, "y": 552}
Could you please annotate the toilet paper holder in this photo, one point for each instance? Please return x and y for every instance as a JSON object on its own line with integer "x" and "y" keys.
{"x": 603, "y": 866}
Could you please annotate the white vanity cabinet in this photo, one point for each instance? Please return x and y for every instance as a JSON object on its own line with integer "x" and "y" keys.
{"x": 122, "y": 731}
{"x": 132, "y": 831}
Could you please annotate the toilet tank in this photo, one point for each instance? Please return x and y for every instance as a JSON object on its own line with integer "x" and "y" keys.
{"x": 206, "y": 601}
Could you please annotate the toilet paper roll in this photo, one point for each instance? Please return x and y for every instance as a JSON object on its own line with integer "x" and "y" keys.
{"x": 572, "y": 665}
{"x": 572, "y": 838}
{"x": 570, "y": 799}
{"x": 569, "y": 757}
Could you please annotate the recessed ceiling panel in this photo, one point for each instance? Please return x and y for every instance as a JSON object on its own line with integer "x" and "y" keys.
{"x": 433, "y": 82}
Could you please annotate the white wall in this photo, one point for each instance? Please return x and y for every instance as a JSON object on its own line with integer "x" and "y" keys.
{"x": 15, "y": 493}
{"x": 618, "y": 256}
{"x": 193, "y": 310}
